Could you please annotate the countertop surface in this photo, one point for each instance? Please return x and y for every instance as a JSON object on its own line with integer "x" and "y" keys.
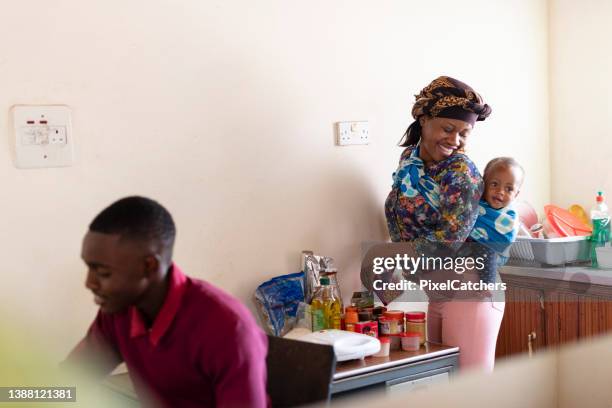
{"x": 574, "y": 273}
{"x": 351, "y": 368}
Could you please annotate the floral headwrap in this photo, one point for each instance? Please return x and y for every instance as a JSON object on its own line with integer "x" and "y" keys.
{"x": 446, "y": 97}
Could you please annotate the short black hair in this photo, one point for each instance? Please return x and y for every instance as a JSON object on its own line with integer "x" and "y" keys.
{"x": 137, "y": 218}
{"x": 506, "y": 162}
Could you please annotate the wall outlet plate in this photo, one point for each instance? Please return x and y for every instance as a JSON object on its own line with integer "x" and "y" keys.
{"x": 42, "y": 136}
{"x": 352, "y": 133}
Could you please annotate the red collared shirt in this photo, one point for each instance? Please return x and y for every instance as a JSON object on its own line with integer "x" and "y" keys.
{"x": 204, "y": 348}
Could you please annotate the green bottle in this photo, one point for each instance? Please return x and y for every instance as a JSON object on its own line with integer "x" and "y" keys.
{"x": 600, "y": 219}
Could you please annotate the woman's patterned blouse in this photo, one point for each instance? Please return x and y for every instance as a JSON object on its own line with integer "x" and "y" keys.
{"x": 461, "y": 187}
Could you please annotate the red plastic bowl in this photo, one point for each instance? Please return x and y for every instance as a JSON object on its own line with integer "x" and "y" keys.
{"x": 565, "y": 223}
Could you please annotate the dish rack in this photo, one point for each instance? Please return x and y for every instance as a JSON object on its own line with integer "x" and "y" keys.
{"x": 551, "y": 251}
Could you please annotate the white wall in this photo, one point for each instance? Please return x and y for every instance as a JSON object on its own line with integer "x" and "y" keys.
{"x": 581, "y": 128}
{"x": 224, "y": 112}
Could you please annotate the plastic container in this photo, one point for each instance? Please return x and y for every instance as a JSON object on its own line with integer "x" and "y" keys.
{"x": 579, "y": 212}
{"x": 410, "y": 341}
{"x": 527, "y": 214}
{"x": 551, "y": 251}
{"x": 396, "y": 342}
{"x": 604, "y": 257}
{"x": 564, "y": 223}
{"x": 416, "y": 323}
{"x": 385, "y": 346}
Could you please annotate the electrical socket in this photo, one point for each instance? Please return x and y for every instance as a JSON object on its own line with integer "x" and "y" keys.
{"x": 352, "y": 133}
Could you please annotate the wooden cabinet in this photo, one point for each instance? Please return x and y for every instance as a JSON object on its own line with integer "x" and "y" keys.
{"x": 561, "y": 317}
{"x": 523, "y": 324}
{"x": 594, "y": 316}
{"x": 549, "y": 312}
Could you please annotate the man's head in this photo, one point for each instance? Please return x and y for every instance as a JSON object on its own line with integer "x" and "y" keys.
{"x": 127, "y": 250}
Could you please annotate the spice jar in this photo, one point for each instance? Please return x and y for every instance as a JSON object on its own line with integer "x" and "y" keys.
{"x": 365, "y": 315}
{"x": 350, "y": 319}
{"x": 378, "y": 311}
{"x": 396, "y": 321}
{"x": 385, "y": 345}
{"x": 415, "y": 322}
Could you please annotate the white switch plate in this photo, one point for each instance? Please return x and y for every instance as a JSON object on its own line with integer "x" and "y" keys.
{"x": 352, "y": 133}
{"x": 43, "y": 136}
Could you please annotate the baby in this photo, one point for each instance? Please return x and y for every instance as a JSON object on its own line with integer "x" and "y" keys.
{"x": 496, "y": 226}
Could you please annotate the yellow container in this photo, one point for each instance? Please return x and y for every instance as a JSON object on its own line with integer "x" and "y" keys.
{"x": 416, "y": 323}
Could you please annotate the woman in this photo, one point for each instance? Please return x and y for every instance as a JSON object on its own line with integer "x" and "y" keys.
{"x": 435, "y": 197}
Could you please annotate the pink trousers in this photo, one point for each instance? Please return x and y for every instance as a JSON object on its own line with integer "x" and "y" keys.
{"x": 471, "y": 325}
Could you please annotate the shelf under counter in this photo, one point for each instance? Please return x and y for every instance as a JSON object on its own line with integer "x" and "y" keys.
{"x": 401, "y": 368}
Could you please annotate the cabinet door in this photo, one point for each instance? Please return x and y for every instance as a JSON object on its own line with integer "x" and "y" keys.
{"x": 561, "y": 316}
{"x": 523, "y": 322}
{"x": 595, "y": 316}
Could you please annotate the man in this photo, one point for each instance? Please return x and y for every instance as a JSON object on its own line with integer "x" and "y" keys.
{"x": 185, "y": 342}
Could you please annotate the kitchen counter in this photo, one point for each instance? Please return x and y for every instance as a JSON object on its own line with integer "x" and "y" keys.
{"x": 431, "y": 363}
{"x": 574, "y": 273}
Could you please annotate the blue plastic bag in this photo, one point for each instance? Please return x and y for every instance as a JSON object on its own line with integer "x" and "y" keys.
{"x": 277, "y": 301}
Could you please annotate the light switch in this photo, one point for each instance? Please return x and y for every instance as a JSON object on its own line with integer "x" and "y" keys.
{"x": 43, "y": 136}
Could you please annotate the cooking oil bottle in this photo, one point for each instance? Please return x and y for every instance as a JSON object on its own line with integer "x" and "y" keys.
{"x": 326, "y": 308}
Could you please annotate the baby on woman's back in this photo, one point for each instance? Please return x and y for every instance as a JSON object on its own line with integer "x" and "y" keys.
{"x": 496, "y": 226}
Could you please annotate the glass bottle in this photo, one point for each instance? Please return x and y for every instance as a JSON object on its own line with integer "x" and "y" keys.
{"x": 332, "y": 274}
{"x": 326, "y": 308}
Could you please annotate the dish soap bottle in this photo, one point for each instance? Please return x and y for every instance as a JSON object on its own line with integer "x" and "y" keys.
{"x": 600, "y": 219}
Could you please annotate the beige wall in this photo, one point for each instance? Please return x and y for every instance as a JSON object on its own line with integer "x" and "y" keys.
{"x": 581, "y": 129}
{"x": 224, "y": 111}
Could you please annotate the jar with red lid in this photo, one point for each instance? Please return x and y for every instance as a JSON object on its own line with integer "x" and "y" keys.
{"x": 416, "y": 323}
{"x": 396, "y": 320}
{"x": 385, "y": 346}
{"x": 389, "y": 325}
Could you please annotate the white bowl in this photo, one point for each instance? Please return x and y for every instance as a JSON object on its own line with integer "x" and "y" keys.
{"x": 604, "y": 257}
